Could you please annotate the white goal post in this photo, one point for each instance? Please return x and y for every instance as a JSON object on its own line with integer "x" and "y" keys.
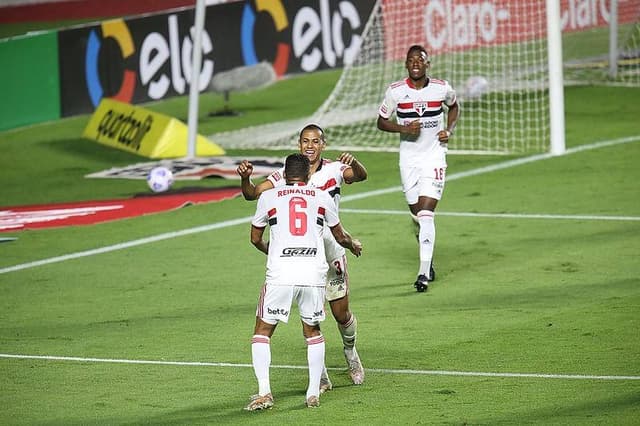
{"x": 504, "y": 58}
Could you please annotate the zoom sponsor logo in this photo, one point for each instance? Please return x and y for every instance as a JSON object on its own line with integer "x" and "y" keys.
{"x": 299, "y": 252}
{"x": 317, "y": 34}
{"x": 429, "y": 124}
{"x": 164, "y": 61}
{"x": 124, "y": 128}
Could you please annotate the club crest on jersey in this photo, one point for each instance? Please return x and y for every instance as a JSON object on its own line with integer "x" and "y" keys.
{"x": 420, "y": 107}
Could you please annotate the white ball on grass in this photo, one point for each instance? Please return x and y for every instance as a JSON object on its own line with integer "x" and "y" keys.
{"x": 160, "y": 179}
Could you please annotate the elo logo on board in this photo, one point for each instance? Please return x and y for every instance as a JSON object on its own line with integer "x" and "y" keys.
{"x": 164, "y": 61}
{"x": 316, "y": 33}
{"x": 120, "y": 33}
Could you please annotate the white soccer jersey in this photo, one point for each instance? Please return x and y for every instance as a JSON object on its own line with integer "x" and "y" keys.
{"x": 296, "y": 215}
{"x": 328, "y": 178}
{"x": 425, "y": 105}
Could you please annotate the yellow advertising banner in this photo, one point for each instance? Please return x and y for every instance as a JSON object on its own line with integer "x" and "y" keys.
{"x": 143, "y": 132}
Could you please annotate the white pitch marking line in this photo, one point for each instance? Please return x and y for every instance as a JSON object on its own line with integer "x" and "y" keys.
{"x": 499, "y": 215}
{"x": 160, "y": 237}
{"x": 127, "y": 244}
{"x": 301, "y": 367}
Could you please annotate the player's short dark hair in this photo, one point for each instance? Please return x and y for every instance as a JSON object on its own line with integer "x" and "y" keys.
{"x": 418, "y": 48}
{"x": 312, "y": 126}
{"x": 296, "y": 166}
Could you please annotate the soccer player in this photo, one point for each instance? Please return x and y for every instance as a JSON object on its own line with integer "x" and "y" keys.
{"x": 419, "y": 103}
{"x": 328, "y": 176}
{"x": 296, "y": 269}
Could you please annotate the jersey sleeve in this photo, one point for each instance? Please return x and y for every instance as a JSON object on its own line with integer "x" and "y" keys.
{"x": 388, "y": 104}
{"x": 330, "y": 210}
{"x": 450, "y": 97}
{"x": 260, "y": 218}
{"x": 277, "y": 178}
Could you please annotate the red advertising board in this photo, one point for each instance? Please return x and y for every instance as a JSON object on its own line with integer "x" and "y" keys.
{"x": 448, "y": 25}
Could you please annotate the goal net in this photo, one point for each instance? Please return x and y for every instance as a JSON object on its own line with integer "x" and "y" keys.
{"x": 494, "y": 53}
{"x": 589, "y": 57}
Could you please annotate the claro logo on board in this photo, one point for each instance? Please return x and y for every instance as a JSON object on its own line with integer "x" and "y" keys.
{"x": 123, "y": 128}
{"x": 463, "y": 24}
{"x": 156, "y": 51}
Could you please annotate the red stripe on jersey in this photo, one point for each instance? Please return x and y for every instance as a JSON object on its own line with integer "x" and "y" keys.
{"x": 321, "y": 211}
{"x": 398, "y": 83}
{"x": 271, "y": 212}
{"x": 328, "y": 184}
{"x": 409, "y": 105}
{"x": 436, "y": 81}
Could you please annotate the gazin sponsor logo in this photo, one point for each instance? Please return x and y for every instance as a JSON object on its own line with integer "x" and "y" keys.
{"x": 299, "y": 252}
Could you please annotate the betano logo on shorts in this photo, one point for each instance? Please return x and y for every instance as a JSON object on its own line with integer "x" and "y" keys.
{"x": 155, "y": 52}
{"x": 308, "y": 25}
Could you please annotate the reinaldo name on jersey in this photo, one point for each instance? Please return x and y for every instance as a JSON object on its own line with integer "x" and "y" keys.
{"x": 300, "y": 191}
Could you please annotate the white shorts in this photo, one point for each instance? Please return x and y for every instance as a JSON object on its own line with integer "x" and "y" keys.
{"x": 423, "y": 182}
{"x": 337, "y": 277}
{"x": 275, "y": 302}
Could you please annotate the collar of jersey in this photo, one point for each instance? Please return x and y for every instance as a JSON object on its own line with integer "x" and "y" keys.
{"x": 410, "y": 83}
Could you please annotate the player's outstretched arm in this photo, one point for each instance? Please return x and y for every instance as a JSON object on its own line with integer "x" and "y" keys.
{"x": 249, "y": 190}
{"x": 257, "y": 241}
{"x": 357, "y": 172}
{"x": 344, "y": 239}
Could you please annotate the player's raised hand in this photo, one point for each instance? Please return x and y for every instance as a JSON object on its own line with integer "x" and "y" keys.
{"x": 356, "y": 247}
{"x": 245, "y": 169}
{"x": 346, "y": 158}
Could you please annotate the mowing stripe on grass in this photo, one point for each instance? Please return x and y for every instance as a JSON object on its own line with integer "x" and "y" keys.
{"x": 160, "y": 237}
{"x": 304, "y": 367}
{"x": 127, "y": 244}
{"x": 499, "y": 215}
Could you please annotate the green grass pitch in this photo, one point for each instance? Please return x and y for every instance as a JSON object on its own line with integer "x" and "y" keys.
{"x": 533, "y": 319}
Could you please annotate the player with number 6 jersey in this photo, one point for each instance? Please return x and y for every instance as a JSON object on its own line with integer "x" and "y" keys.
{"x": 296, "y": 248}
{"x": 328, "y": 176}
{"x": 297, "y": 215}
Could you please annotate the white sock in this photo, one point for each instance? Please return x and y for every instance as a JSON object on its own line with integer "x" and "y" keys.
{"x": 349, "y": 332}
{"x": 261, "y": 357}
{"x": 427, "y": 239}
{"x": 315, "y": 358}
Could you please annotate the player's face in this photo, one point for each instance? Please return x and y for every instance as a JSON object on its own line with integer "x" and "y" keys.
{"x": 417, "y": 64}
{"x": 311, "y": 144}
